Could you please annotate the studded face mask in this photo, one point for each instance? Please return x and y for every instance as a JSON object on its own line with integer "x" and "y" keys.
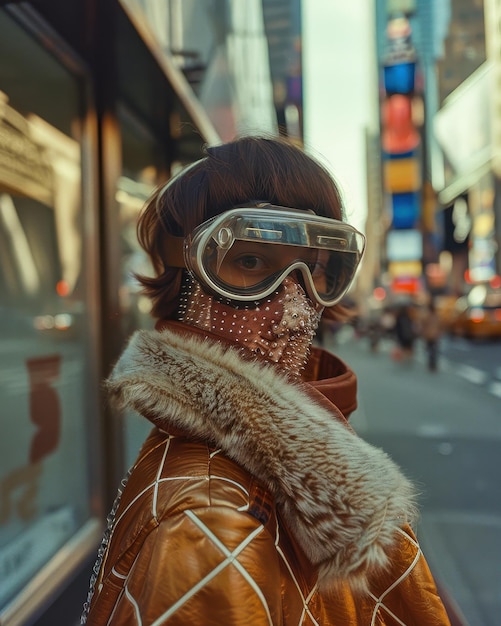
{"x": 280, "y": 327}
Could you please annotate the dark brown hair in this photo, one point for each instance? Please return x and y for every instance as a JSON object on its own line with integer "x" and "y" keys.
{"x": 248, "y": 169}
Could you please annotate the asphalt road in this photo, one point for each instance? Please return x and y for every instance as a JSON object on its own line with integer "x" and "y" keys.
{"x": 477, "y": 361}
{"x": 444, "y": 429}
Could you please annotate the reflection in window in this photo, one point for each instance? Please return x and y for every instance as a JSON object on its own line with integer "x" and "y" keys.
{"x": 43, "y": 356}
{"x": 131, "y": 196}
{"x": 143, "y": 168}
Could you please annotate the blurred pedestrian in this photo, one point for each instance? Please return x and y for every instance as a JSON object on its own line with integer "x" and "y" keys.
{"x": 405, "y": 333}
{"x": 374, "y": 330}
{"x": 252, "y": 501}
{"x": 431, "y": 331}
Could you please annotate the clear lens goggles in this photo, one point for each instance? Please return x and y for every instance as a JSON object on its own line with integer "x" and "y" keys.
{"x": 245, "y": 253}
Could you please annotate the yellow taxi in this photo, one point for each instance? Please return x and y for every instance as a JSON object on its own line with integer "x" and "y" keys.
{"x": 478, "y": 315}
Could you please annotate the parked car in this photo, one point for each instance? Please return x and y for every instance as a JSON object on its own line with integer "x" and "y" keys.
{"x": 478, "y": 315}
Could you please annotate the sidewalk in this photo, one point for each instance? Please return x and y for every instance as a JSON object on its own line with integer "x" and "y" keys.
{"x": 445, "y": 432}
{"x": 452, "y": 541}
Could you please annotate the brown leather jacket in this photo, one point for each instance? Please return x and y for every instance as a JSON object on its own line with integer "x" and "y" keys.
{"x": 253, "y": 502}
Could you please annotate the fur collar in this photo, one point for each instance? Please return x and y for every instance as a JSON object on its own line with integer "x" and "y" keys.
{"x": 342, "y": 498}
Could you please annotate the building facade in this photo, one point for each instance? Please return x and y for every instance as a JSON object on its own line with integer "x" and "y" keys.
{"x": 455, "y": 113}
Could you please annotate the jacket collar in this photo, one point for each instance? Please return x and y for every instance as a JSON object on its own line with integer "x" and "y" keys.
{"x": 325, "y": 373}
{"x": 330, "y": 376}
{"x": 342, "y": 499}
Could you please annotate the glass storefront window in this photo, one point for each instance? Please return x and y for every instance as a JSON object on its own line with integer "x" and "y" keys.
{"x": 142, "y": 170}
{"x": 44, "y": 357}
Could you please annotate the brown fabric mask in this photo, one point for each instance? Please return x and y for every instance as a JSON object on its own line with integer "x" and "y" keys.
{"x": 280, "y": 327}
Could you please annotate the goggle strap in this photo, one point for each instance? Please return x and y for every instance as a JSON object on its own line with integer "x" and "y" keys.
{"x": 174, "y": 252}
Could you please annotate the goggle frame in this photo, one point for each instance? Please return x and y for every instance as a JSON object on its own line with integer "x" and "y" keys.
{"x": 195, "y": 244}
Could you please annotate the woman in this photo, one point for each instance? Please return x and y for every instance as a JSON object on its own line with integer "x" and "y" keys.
{"x": 252, "y": 501}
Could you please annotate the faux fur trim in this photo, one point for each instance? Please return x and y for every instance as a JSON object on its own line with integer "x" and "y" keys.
{"x": 342, "y": 498}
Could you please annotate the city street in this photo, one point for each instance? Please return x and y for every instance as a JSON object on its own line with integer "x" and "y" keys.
{"x": 444, "y": 429}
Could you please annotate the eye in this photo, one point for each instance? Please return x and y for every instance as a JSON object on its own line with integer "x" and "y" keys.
{"x": 249, "y": 262}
